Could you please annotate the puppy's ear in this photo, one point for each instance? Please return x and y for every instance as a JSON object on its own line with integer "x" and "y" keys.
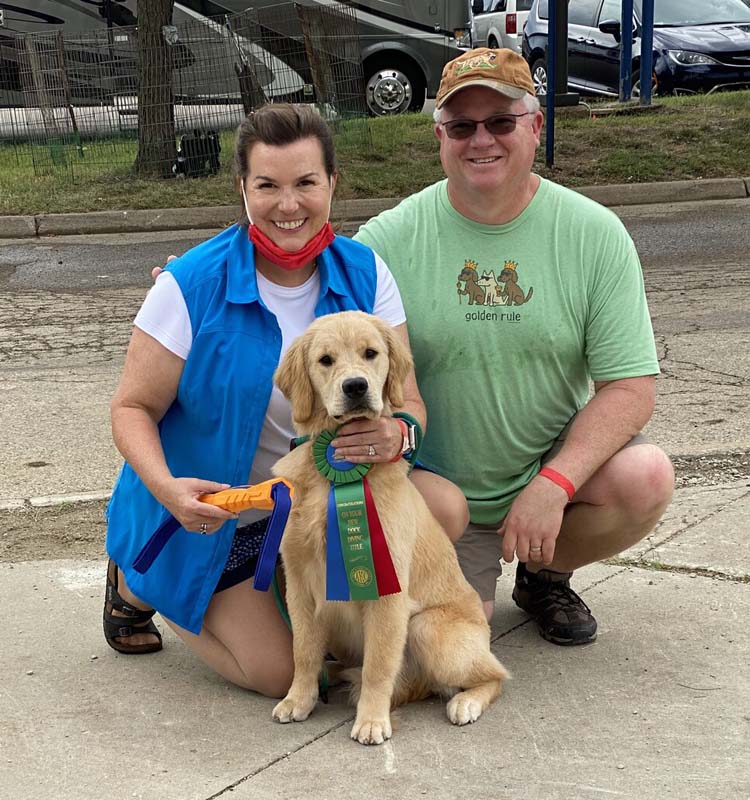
{"x": 292, "y": 378}
{"x": 400, "y": 362}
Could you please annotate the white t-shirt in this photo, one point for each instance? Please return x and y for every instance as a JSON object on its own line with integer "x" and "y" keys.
{"x": 164, "y": 316}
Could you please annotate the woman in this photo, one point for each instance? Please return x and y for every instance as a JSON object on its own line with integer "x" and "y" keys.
{"x": 196, "y": 399}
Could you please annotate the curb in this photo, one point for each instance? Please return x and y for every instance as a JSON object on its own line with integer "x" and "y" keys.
{"x": 48, "y": 501}
{"x": 348, "y": 212}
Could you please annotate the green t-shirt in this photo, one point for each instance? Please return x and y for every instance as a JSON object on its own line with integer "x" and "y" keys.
{"x": 508, "y": 323}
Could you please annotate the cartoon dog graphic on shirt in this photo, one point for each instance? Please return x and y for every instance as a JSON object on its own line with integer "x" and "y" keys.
{"x": 512, "y": 293}
{"x": 471, "y": 287}
{"x": 492, "y": 292}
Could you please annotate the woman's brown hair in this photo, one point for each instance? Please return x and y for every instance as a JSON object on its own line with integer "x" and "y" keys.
{"x": 279, "y": 124}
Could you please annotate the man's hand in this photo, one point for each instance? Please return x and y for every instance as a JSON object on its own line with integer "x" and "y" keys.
{"x": 532, "y": 525}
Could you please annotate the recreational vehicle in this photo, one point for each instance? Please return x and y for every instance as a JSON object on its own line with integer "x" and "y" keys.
{"x": 403, "y": 45}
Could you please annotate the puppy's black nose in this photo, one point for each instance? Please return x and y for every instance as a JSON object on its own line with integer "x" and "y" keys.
{"x": 354, "y": 388}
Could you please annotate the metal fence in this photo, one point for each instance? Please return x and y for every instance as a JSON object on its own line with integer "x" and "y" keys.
{"x": 71, "y": 102}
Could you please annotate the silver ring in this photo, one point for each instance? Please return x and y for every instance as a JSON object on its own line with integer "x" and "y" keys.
{"x": 204, "y": 528}
{"x": 535, "y": 549}
{"x": 371, "y": 450}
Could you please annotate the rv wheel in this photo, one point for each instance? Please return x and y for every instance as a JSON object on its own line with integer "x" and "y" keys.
{"x": 393, "y": 88}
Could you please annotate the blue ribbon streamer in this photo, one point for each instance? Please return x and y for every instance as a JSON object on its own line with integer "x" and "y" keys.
{"x": 282, "y": 504}
{"x": 337, "y": 586}
{"x": 155, "y": 545}
{"x": 269, "y": 550}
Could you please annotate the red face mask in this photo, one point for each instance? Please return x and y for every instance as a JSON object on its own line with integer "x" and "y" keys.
{"x": 283, "y": 258}
{"x": 290, "y": 260}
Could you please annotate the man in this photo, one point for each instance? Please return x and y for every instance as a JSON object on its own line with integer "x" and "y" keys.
{"x": 519, "y": 293}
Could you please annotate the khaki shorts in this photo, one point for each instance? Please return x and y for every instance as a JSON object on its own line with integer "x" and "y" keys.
{"x": 480, "y": 548}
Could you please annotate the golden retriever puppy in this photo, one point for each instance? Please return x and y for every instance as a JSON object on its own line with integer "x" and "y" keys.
{"x": 431, "y": 637}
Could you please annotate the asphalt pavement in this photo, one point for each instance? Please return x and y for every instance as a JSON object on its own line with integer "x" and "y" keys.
{"x": 658, "y": 707}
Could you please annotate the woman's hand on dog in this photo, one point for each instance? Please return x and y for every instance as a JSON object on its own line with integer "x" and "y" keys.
{"x": 354, "y": 439}
{"x": 533, "y": 522}
{"x": 180, "y": 497}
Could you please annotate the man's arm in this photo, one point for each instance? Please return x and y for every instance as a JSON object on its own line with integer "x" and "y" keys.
{"x": 615, "y": 414}
{"x": 618, "y": 411}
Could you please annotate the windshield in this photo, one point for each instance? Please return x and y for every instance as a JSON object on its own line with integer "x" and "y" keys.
{"x": 696, "y": 12}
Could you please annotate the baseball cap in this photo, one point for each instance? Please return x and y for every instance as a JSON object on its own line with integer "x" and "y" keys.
{"x": 503, "y": 70}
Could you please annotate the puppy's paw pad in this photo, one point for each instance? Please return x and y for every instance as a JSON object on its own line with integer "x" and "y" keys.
{"x": 372, "y": 731}
{"x": 462, "y": 710}
{"x": 288, "y": 710}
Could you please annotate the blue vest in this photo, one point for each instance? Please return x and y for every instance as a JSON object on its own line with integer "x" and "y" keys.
{"x": 212, "y": 428}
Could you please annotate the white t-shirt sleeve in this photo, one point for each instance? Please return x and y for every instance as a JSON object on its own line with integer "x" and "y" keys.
{"x": 388, "y": 304}
{"x": 164, "y": 316}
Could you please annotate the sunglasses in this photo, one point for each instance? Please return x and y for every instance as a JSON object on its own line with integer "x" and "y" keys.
{"x": 497, "y": 125}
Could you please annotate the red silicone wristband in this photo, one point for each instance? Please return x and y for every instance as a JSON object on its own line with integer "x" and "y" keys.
{"x": 560, "y": 480}
{"x": 404, "y": 434}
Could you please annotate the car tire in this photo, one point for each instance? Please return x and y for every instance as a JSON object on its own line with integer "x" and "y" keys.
{"x": 636, "y": 87}
{"x": 492, "y": 43}
{"x": 539, "y": 76}
{"x": 393, "y": 85}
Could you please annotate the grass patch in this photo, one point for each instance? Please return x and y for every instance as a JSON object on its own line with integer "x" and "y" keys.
{"x": 687, "y": 137}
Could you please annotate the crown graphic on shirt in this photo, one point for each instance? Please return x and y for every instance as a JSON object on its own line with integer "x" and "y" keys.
{"x": 469, "y": 264}
{"x": 510, "y": 265}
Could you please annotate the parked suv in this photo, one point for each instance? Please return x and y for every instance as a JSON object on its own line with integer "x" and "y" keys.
{"x": 499, "y": 23}
{"x": 698, "y": 46}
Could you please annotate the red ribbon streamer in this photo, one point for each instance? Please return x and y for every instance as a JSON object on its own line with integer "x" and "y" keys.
{"x": 385, "y": 572}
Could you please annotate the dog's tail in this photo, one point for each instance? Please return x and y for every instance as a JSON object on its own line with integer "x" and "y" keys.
{"x": 409, "y": 685}
{"x": 339, "y": 674}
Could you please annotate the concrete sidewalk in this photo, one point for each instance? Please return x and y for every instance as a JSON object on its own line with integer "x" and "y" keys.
{"x": 658, "y": 707}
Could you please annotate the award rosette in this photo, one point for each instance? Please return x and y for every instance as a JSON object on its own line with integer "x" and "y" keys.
{"x": 358, "y": 563}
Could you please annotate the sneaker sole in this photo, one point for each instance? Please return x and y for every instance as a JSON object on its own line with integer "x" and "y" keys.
{"x": 565, "y": 642}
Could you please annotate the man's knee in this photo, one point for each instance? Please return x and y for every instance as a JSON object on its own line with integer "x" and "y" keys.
{"x": 641, "y": 480}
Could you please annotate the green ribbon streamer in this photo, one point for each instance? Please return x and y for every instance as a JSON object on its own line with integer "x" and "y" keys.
{"x": 354, "y": 532}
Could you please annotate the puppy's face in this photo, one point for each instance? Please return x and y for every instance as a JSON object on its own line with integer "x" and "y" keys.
{"x": 347, "y": 370}
{"x": 344, "y": 366}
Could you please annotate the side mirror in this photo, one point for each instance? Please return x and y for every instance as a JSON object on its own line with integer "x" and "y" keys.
{"x": 612, "y": 27}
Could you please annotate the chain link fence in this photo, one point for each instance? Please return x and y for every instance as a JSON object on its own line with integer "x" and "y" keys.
{"x": 72, "y": 104}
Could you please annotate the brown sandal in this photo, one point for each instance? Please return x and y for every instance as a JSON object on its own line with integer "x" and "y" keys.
{"x": 133, "y": 621}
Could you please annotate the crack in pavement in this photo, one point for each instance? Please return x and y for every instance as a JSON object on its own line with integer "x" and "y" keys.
{"x": 232, "y": 786}
{"x": 660, "y": 566}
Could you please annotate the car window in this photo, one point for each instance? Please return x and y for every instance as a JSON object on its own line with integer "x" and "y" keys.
{"x": 543, "y": 9}
{"x": 523, "y": 5}
{"x": 501, "y": 5}
{"x": 611, "y": 9}
{"x": 697, "y": 12}
{"x": 582, "y": 12}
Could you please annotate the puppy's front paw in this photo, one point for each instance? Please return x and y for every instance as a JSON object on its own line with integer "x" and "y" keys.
{"x": 462, "y": 710}
{"x": 292, "y": 709}
{"x": 372, "y": 731}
